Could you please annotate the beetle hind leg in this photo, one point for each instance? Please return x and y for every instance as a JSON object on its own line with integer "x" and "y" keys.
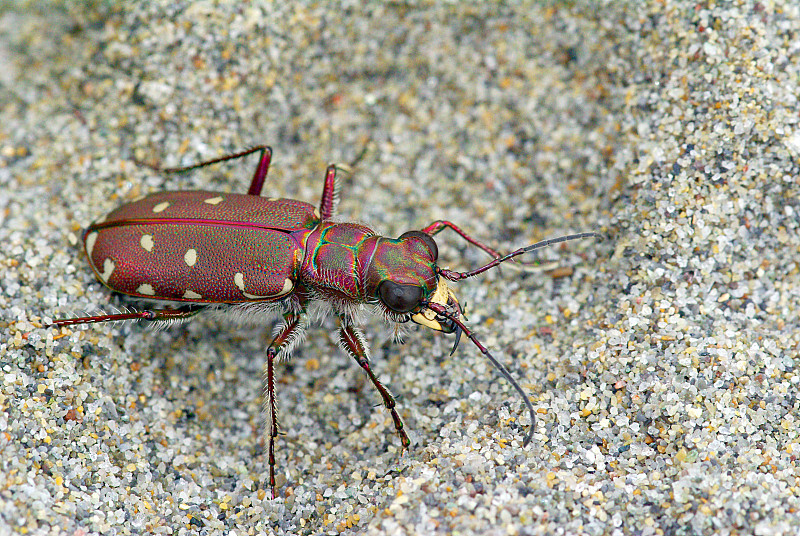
{"x": 162, "y": 317}
{"x": 352, "y": 341}
{"x": 260, "y": 175}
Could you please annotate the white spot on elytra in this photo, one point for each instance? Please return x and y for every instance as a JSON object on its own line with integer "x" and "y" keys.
{"x": 190, "y": 257}
{"x": 213, "y": 200}
{"x": 91, "y": 238}
{"x": 287, "y": 286}
{"x": 316, "y": 214}
{"x": 238, "y": 280}
{"x": 146, "y": 289}
{"x": 272, "y": 199}
{"x": 190, "y": 295}
{"x": 108, "y": 269}
{"x": 161, "y": 207}
{"x": 146, "y": 241}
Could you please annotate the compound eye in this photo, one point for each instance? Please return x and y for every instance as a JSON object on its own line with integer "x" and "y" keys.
{"x": 428, "y": 239}
{"x": 399, "y": 298}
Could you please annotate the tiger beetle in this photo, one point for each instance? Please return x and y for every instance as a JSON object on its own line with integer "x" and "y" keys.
{"x": 248, "y": 257}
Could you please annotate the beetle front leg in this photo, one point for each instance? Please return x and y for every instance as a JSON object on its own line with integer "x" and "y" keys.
{"x": 352, "y": 341}
{"x": 437, "y": 226}
{"x": 287, "y": 335}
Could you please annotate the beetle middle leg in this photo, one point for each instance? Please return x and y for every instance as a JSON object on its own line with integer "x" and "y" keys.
{"x": 330, "y": 194}
{"x": 288, "y": 334}
{"x": 352, "y": 341}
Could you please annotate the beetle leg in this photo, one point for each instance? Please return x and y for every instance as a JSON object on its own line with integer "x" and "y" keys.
{"x": 261, "y": 171}
{"x": 352, "y": 341}
{"x": 330, "y": 194}
{"x": 437, "y": 226}
{"x": 288, "y": 334}
{"x": 155, "y": 315}
{"x": 258, "y": 178}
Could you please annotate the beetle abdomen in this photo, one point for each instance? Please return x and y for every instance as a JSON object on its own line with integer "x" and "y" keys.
{"x": 200, "y": 247}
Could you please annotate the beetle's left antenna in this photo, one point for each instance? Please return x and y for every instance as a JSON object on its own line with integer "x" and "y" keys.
{"x": 457, "y": 276}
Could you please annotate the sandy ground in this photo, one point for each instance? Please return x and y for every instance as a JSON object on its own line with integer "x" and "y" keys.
{"x": 662, "y": 361}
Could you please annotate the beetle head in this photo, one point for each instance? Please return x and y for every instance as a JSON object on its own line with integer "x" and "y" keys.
{"x": 402, "y": 272}
{"x": 412, "y": 282}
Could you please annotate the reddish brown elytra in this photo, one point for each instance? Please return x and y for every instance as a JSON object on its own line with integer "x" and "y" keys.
{"x": 251, "y": 257}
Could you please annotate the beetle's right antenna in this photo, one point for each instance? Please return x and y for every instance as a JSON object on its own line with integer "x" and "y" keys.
{"x": 457, "y": 276}
{"x": 442, "y": 311}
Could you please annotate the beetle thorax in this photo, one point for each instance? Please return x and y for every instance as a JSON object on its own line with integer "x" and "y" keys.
{"x": 335, "y": 262}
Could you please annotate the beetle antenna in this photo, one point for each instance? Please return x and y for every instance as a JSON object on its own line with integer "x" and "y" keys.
{"x": 440, "y": 310}
{"x": 457, "y": 276}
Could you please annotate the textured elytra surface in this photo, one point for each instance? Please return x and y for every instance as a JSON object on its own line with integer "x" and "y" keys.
{"x": 201, "y": 263}
{"x": 201, "y": 246}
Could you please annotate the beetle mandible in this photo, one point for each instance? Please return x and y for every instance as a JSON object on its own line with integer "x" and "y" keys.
{"x": 246, "y": 256}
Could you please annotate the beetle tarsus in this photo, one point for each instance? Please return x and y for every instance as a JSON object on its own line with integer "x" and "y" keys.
{"x": 155, "y": 315}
